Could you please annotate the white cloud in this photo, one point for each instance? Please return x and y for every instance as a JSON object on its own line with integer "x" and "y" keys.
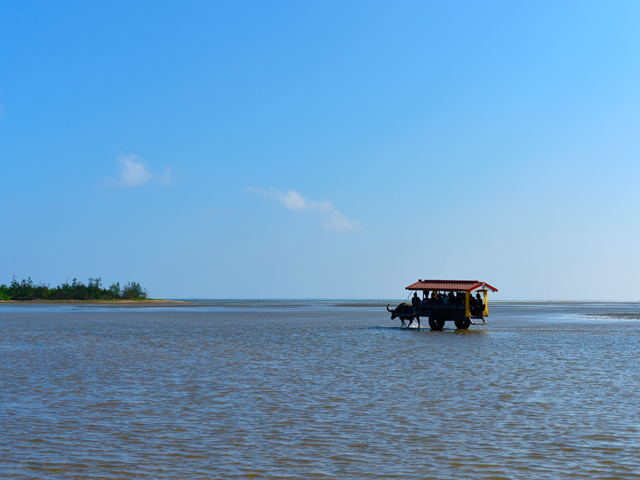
{"x": 339, "y": 223}
{"x": 293, "y": 200}
{"x": 134, "y": 172}
{"x": 166, "y": 178}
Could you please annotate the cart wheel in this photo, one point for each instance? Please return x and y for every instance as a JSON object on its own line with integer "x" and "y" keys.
{"x": 463, "y": 323}
{"x": 436, "y": 323}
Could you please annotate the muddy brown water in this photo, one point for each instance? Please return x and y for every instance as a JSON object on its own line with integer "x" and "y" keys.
{"x": 317, "y": 390}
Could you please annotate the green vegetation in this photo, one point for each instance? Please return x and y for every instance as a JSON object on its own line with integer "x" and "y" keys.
{"x": 28, "y": 290}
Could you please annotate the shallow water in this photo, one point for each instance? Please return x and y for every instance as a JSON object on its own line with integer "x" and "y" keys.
{"x": 317, "y": 391}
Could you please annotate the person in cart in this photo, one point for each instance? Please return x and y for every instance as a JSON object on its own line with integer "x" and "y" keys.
{"x": 415, "y": 301}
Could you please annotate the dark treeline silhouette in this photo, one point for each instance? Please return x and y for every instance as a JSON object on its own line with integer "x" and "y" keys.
{"x": 28, "y": 290}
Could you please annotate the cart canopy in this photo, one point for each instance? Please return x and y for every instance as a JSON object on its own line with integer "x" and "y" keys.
{"x": 451, "y": 285}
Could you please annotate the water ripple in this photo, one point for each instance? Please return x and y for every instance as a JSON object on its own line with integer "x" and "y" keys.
{"x": 317, "y": 393}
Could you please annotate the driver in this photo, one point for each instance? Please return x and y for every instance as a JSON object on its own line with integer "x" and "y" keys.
{"x": 415, "y": 301}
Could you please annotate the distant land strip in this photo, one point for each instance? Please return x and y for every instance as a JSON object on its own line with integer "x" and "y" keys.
{"x": 76, "y": 291}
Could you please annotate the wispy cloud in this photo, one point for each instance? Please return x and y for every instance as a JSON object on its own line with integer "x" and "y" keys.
{"x": 134, "y": 172}
{"x": 293, "y": 200}
{"x": 339, "y": 223}
{"x": 166, "y": 178}
{"x": 210, "y": 211}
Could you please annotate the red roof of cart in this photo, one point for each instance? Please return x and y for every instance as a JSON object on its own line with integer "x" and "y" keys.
{"x": 464, "y": 285}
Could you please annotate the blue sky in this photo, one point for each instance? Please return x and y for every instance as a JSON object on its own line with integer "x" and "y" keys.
{"x": 322, "y": 149}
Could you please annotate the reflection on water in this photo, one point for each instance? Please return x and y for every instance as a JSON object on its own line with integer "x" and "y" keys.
{"x": 317, "y": 391}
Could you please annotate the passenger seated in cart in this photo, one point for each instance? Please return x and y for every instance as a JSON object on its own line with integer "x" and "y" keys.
{"x": 476, "y": 306}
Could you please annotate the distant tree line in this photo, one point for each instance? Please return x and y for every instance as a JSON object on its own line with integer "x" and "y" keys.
{"x": 28, "y": 290}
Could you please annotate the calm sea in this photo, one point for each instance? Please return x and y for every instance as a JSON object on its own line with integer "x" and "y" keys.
{"x": 317, "y": 390}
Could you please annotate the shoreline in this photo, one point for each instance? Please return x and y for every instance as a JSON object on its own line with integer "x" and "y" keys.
{"x": 101, "y": 302}
{"x": 288, "y": 304}
{"x": 248, "y": 304}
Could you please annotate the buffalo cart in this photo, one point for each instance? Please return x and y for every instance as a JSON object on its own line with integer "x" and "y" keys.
{"x": 463, "y": 302}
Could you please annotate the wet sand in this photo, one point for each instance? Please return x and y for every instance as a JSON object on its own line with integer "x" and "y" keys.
{"x": 614, "y": 315}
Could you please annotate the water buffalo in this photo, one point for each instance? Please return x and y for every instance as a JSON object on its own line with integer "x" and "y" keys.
{"x": 404, "y": 311}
